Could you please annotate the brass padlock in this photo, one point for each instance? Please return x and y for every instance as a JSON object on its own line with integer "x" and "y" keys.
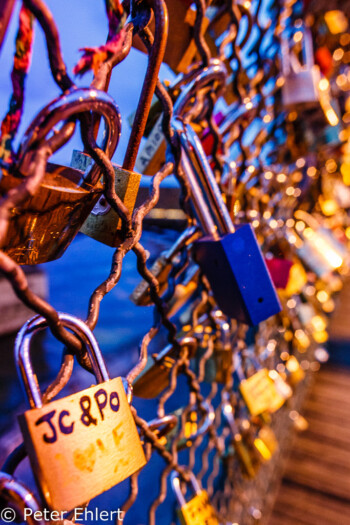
{"x": 260, "y": 392}
{"x": 80, "y": 445}
{"x": 162, "y": 267}
{"x": 198, "y": 510}
{"x": 104, "y": 223}
{"x": 196, "y": 423}
{"x": 18, "y": 500}
{"x": 41, "y": 228}
{"x": 156, "y": 375}
{"x": 247, "y": 458}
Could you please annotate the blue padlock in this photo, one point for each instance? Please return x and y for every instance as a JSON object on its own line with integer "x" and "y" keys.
{"x": 229, "y": 256}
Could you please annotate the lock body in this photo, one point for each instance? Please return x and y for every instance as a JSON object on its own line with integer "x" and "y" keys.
{"x": 302, "y": 88}
{"x": 41, "y": 229}
{"x": 82, "y": 445}
{"x": 237, "y": 273}
{"x": 103, "y": 223}
{"x": 198, "y": 511}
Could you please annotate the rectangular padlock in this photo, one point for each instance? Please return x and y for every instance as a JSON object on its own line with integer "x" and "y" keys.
{"x": 83, "y": 444}
{"x": 260, "y": 393}
{"x": 103, "y": 223}
{"x": 229, "y": 255}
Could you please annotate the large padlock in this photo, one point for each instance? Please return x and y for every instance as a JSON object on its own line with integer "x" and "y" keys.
{"x": 198, "y": 510}
{"x": 301, "y": 82}
{"x": 228, "y": 255}
{"x": 19, "y": 500}
{"x": 83, "y": 444}
{"x": 41, "y": 228}
{"x": 104, "y": 223}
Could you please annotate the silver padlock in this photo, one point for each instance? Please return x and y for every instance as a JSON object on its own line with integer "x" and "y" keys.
{"x": 301, "y": 82}
{"x": 21, "y": 501}
{"x": 81, "y": 445}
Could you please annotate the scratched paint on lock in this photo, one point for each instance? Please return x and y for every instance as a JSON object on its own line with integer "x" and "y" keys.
{"x": 82, "y": 445}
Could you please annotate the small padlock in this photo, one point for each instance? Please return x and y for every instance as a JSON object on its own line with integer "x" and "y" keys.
{"x": 259, "y": 391}
{"x": 319, "y": 249}
{"x": 41, "y": 228}
{"x": 195, "y": 425}
{"x": 228, "y": 255}
{"x": 20, "y": 500}
{"x": 156, "y": 375}
{"x": 219, "y": 364}
{"x": 247, "y": 458}
{"x": 301, "y": 82}
{"x": 198, "y": 510}
{"x": 162, "y": 267}
{"x": 104, "y": 223}
{"x": 80, "y": 445}
{"x": 279, "y": 269}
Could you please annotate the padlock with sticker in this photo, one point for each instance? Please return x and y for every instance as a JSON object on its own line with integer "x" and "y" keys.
{"x": 43, "y": 226}
{"x": 197, "y": 510}
{"x": 85, "y": 443}
{"x": 104, "y": 223}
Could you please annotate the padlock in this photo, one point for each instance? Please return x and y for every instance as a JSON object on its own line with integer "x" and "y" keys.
{"x": 104, "y": 223}
{"x": 83, "y": 444}
{"x": 197, "y": 422}
{"x": 295, "y": 374}
{"x": 301, "y": 82}
{"x": 18, "y": 500}
{"x": 156, "y": 375}
{"x": 317, "y": 246}
{"x": 228, "y": 255}
{"x": 198, "y": 510}
{"x": 181, "y": 49}
{"x": 41, "y": 228}
{"x": 246, "y": 459}
{"x": 266, "y": 443}
{"x": 162, "y": 267}
{"x": 279, "y": 269}
{"x": 261, "y": 392}
{"x": 219, "y": 364}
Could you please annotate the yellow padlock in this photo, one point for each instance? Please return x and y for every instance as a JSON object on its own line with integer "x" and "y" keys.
{"x": 260, "y": 393}
{"x": 198, "y": 510}
{"x": 83, "y": 444}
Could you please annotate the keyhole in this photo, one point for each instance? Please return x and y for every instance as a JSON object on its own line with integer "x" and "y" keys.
{"x": 260, "y": 299}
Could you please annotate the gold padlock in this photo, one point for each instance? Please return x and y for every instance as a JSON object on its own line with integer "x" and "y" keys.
{"x": 198, "y": 510}
{"x": 104, "y": 223}
{"x": 83, "y": 444}
{"x": 260, "y": 393}
{"x": 41, "y": 228}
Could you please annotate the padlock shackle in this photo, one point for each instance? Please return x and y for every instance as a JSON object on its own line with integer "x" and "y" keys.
{"x": 175, "y": 483}
{"x": 22, "y": 353}
{"x": 215, "y": 72}
{"x": 73, "y": 103}
{"x": 206, "y": 194}
{"x": 15, "y": 493}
